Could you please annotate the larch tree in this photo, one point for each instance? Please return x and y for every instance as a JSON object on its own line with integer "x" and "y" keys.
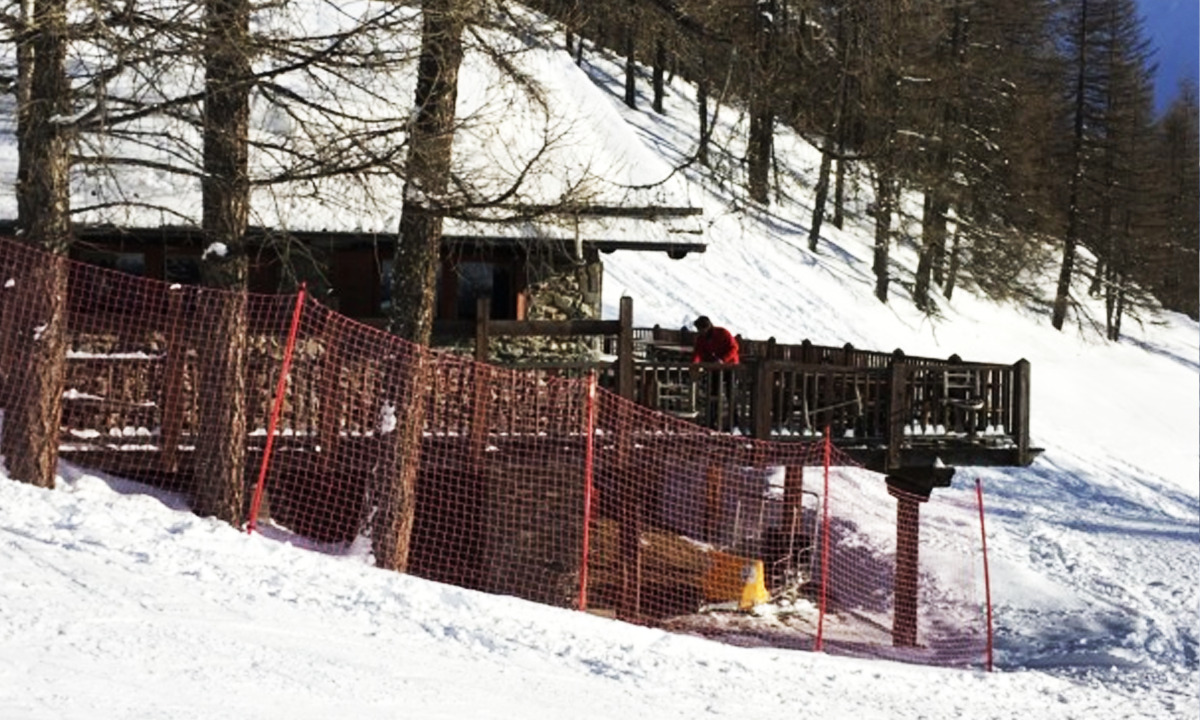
{"x": 225, "y": 199}
{"x": 33, "y": 405}
{"x": 841, "y": 44}
{"x": 1168, "y": 264}
{"x": 1079, "y": 41}
{"x": 418, "y": 251}
{"x": 1124, "y": 220}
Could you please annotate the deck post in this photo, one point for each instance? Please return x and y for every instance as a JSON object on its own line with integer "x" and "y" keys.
{"x": 760, "y": 401}
{"x": 1021, "y": 410}
{"x": 713, "y": 490}
{"x": 483, "y": 315}
{"x": 625, "y": 385}
{"x": 172, "y": 399}
{"x": 481, "y": 393}
{"x": 896, "y": 414}
{"x": 908, "y": 541}
{"x": 630, "y": 541}
{"x": 329, "y": 413}
{"x": 793, "y": 504}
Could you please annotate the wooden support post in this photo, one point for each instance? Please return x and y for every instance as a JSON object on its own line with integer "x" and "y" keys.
{"x": 172, "y": 398}
{"x": 625, "y": 385}
{"x": 332, "y": 394}
{"x": 850, "y": 357}
{"x": 793, "y": 504}
{"x": 481, "y": 394}
{"x": 483, "y": 316}
{"x": 631, "y": 555}
{"x": 760, "y": 403}
{"x": 908, "y": 541}
{"x": 1021, "y": 411}
{"x": 713, "y": 484}
{"x": 897, "y": 413}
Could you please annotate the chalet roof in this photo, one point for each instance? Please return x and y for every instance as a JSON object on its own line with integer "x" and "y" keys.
{"x": 565, "y": 141}
{"x": 485, "y": 236}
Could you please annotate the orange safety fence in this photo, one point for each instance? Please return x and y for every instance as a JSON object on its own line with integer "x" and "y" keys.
{"x": 532, "y": 483}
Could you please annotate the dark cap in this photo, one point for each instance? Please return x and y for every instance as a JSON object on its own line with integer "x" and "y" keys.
{"x": 703, "y": 323}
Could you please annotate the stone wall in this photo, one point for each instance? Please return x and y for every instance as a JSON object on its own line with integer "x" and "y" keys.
{"x": 561, "y": 287}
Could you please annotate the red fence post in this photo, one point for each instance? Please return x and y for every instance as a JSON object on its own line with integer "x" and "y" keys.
{"x": 276, "y": 408}
{"x": 588, "y": 487}
{"x": 987, "y": 583}
{"x": 824, "y": 544}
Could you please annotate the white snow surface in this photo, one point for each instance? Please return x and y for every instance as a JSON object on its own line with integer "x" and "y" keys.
{"x": 116, "y": 602}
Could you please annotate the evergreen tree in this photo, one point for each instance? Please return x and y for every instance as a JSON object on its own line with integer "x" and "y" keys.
{"x": 1168, "y": 264}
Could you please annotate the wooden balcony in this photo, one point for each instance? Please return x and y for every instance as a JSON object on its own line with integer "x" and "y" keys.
{"x": 912, "y": 418}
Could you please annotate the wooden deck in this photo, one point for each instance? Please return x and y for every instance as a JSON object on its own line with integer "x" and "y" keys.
{"x": 912, "y": 418}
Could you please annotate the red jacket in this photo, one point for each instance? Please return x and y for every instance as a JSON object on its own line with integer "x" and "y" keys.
{"x": 716, "y": 345}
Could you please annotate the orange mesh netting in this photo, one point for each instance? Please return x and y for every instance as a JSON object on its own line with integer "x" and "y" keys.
{"x": 533, "y": 483}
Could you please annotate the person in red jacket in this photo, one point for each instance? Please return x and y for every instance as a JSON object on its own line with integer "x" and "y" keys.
{"x": 714, "y": 344}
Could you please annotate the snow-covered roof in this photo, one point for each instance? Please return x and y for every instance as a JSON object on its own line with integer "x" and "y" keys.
{"x": 532, "y": 126}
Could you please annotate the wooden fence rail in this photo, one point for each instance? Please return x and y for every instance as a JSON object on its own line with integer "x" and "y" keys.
{"x": 888, "y": 408}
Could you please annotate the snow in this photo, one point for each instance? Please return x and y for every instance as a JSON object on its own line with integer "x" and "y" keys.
{"x": 118, "y": 602}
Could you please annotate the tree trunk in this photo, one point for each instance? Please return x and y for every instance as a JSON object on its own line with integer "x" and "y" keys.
{"x": 221, "y": 446}
{"x": 660, "y": 66}
{"x": 832, "y": 139}
{"x": 1119, "y": 310}
{"x": 33, "y": 400}
{"x": 702, "y": 106}
{"x": 33, "y": 410}
{"x": 933, "y": 239}
{"x": 884, "y": 198}
{"x": 758, "y": 159}
{"x": 415, "y": 269}
{"x": 952, "y": 269}
{"x": 839, "y": 190}
{"x": 630, "y": 62}
{"x": 1063, "y": 291}
{"x": 820, "y": 195}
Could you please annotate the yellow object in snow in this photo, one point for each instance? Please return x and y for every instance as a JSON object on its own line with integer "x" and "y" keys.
{"x": 730, "y": 578}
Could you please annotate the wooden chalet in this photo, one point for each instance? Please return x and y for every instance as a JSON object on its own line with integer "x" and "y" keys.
{"x": 526, "y": 271}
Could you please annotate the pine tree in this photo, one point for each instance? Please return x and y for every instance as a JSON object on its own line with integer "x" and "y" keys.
{"x": 1168, "y": 263}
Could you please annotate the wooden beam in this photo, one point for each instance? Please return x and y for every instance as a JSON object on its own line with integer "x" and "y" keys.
{"x": 483, "y": 312}
{"x": 896, "y": 415}
{"x": 1021, "y": 411}
{"x": 646, "y": 212}
{"x": 554, "y": 328}
{"x": 760, "y": 403}
{"x": 173, "y": 397}
{"x": 625, "y": 383}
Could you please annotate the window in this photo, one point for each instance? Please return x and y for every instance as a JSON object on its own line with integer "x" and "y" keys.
{"x": 478, "y": 279}
{"x": 459, "y": 289}
{"x": 182, "y": 269}
{"x": 130, "y": 263}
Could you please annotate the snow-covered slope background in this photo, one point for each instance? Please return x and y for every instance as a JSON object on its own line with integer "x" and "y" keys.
{"x": 115, "y": 602}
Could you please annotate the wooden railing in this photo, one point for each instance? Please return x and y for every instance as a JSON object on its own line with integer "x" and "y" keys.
{"x": 887, "y": 407}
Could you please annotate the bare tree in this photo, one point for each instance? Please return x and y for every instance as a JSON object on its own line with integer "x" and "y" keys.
{"x": 416, "y": 261}
{"x": 225, "y": 189}
{"x": 45, "y": 123}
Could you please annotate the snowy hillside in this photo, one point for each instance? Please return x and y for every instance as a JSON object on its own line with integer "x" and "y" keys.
{"x": 118, "y": 603}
